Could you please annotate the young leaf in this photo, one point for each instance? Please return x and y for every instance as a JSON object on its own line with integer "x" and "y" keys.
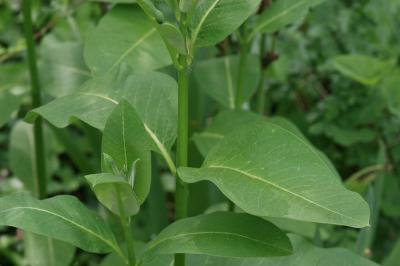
{"x": 63, "y": 217}
{"x": 268, "y": 170}
{"x": 281, "y": 13}
{"x": 109, "y": 189}
{"x": 173, "y": 36}
{"x": 125, "y": 35}
{"x": 248, "y": 236}
{"x": 214, "y": 20}
{"x": 126, "y": 140}
{"x": 153, "y": 95}
{"x": 364, "y": 69}
{"x": 218, "y": 78}
{"x": 304, "y": 254}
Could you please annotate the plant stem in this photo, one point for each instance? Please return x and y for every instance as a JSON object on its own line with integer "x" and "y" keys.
{"x": 241, "y": 76}
{"x": 181, "y": 193}
{"x": 36, "y": 102}
{"x": 126, "y": 227}
{"x": 261, "y": 87}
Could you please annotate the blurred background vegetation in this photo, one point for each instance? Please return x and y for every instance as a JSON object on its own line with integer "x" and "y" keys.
{"x": 349, "y": 107}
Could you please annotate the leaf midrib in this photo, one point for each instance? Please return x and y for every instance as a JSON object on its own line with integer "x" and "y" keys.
{"x": 132, "y": 47}
{"x": 110, "y": 244}
{"x": 202, "y": 20}
{"x": 283, "y": 13}
{"x": 255, "y": 177}
{"x": 217, "y": 233}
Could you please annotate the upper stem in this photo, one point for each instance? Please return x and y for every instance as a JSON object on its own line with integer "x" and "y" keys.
{"x": 126, "y": 227}
{"x": 40, "y": 161}
{"x": 181, "y": 193}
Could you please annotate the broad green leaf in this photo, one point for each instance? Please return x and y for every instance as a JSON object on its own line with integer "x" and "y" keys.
{"x": 268, "y": 170}
{"x": 153, "y": 95}
{"x": 361, "y": 68}
{"x": 391, "y": 89}
{"x": 281, "y": 13}
{"x": 248, "y": 236}
{"x": 113, "y": 191}
{"x": 62, "y": 68}
{"x": 22, "y": 155}
{"x": 214, "y": 20}
{"x": 45, "y": 251}
{"x": 125, "y": 35}
{"x": 62, "y": 217}
{"x": 217, "y": 77}
{"x": 304, "y": 254}
{"x": 227, "y": 122}
{"x": 223, "y": 124}
{"x": 126, "y": 140}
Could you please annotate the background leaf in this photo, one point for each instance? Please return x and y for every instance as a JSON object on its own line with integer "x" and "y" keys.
{"x": 217, "y": 77}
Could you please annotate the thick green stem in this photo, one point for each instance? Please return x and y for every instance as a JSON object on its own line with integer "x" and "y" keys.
{"x": 241, "y": 76}
{"x": 40, "y": 161}
{"x": 261, "y": 86}
{"x": 126, "y": 227}
{"x": 181, "y": 193}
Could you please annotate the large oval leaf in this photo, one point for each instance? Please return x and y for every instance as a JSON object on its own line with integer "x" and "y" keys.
{"x": 63, "y": 217}
{"x": 125, "y": 35}
{"x": 214, "y": 20}
{"x": 125, "y": 139}
{"x": 248, "y": 236}
{"x": 268, "y": 170}
{"x": 153, "y": 95}
{"x": 218, "y": 78}
{"x": 304, "y": 254}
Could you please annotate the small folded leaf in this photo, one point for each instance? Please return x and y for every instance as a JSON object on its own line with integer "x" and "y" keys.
{"x": 304, "y": 254}
{"x": 173, "y": 36}
{"x": 111, "y": 189}
{"x": 150, "y": 10}
{"x": 268, "y": 170}
{"x": 63, "y": 217}
{"x": 126, "y": 140}
{"x": 218, "y": 78}
{"x": 225, "y": 234}
{"x": 131, "y": 39}
{"x": 364, "y": 69}
{"x": 281, "y": 13}
{"x": 214, "y": 20}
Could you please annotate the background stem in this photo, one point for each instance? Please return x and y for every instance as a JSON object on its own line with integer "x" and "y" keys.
{"x": 241, "y": 76}
{"x": 36, "y": 102}
{"x": 261, "y": 86}
{"x": 181, "y": 193}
